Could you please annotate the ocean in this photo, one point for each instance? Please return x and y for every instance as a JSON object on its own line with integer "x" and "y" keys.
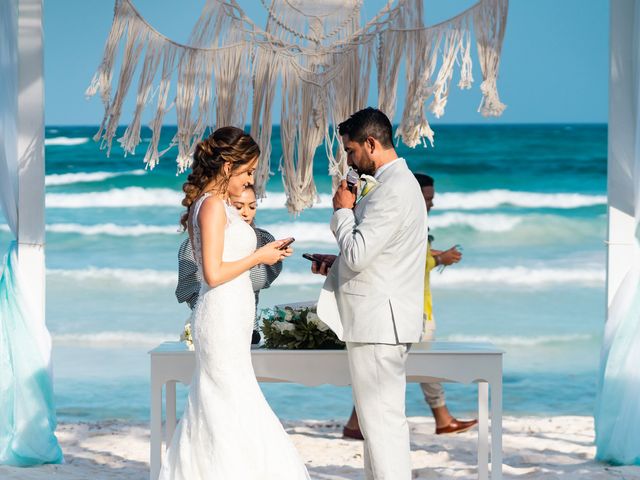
{"x": 526, "y": 202}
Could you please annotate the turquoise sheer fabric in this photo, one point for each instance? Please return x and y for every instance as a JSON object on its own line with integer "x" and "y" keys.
{"x": 27, "y": 413}
{"x": 617, "y": 416}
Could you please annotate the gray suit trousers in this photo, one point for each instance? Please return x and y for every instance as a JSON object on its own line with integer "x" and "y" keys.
{"x": 379, "y": 384}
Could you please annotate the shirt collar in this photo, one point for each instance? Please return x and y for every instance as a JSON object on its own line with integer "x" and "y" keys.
{"x": 384, "y": 167}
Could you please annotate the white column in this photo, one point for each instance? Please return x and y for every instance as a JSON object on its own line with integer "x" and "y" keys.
{"x": 622, "y": 122}
{"x": 31, "y": 163}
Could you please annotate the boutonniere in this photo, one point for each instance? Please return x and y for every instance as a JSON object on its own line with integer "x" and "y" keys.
{"x": 367, "y": 185}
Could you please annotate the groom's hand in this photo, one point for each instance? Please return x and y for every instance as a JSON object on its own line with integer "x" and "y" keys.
{"x": 343, "y": 198}
{"x": 322, "y": 267}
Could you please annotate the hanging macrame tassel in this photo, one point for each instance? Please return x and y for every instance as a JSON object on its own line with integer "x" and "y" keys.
{"x": 101, "y": 81}
{"x": 466, "y": 64}
{"x": 390, "y": 53}
{"x": 136, "y": 41}
{"x": 152, "y": 156}
{"x": 490, "y": 21}
{"x": 393, "y": 46}
{"x": 452, "y": 44}
{"x": 422, "y": 53}
{"x": 131, "y": 137}
{"x": 302, "y": 131}
{"x": 266, "y": 72}
{"x": 321, "y": 56}
{"x": 347, "y": 93}
{"x": 190, "y": 130}
{"x": 232, "y": 79}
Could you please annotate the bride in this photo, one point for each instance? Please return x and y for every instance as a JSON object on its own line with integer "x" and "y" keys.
{"x": 227, "y": 431}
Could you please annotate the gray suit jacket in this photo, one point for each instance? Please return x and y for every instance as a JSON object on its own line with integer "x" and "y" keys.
{"x": 374, "y": 292}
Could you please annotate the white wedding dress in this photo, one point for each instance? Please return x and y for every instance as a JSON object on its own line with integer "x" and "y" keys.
{"x": 228, "y": 431}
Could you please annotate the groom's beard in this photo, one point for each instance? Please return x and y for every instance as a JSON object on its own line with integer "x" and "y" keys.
{"x": 367, "y": 167}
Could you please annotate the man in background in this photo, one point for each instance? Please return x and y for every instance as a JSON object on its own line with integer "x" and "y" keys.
{"x": 434, "y": 392}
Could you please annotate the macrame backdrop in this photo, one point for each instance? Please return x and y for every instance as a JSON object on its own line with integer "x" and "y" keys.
{"x": 319, "y": 54}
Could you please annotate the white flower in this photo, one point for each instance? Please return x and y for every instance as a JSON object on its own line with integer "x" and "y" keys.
{"x": 367, "y": 184}
{"x": 186, "y": 336}
{"x": 314, "y": 319}
{"x": 323, "y": 327}
{"x": 283, "y": 326}
{"x": 288, "y": 316}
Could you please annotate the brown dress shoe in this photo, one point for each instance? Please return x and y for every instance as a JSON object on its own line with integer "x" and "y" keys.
{"x": 353, "y": 433}
{"x": 456, "y": 426}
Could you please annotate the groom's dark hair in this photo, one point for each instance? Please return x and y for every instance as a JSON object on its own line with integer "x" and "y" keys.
{"x": 369, "y": 122}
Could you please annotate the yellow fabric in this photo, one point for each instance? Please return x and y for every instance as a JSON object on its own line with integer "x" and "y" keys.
{"x": 428, "y": 303}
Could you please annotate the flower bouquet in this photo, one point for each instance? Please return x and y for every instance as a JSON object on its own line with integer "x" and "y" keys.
{"x": 186, "y": 337}
{"x": 295, "y": 327}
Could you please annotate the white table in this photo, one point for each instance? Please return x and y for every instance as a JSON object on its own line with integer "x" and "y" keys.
{"x": 479, "y": 363}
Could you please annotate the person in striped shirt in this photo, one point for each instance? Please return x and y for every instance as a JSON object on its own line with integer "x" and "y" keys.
{"x": 262, "y": 276}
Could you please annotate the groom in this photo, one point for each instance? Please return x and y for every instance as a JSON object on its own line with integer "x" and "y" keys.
{"x": 373, "y": 295}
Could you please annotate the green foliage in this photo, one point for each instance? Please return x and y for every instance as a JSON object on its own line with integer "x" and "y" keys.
{"x": 298, "y": 329}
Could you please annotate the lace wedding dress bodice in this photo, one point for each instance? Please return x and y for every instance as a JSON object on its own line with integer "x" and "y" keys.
{"x": 239, "y": 237}
{"x": 228, "y": 431}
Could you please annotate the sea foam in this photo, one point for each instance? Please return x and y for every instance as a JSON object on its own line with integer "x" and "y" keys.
{"x": 513, "y": 277}
{"x": 121, "y": 338}
{"x": 518, "y": 276}
{"x": 154, "y": 278}
{"x": 112, "y": 229}
{"x": 115, "y": 339}
{"x": 85, "y": 177}
{"x": 121, "y": 276}
{"x": 479, "y": 222}
{"x": 480, "y": 200}
{"x": 64, "y": 141}
{"x": 495, "y": 198}
{"x": 150, "y": 197}
{"x": 303, "y": 232}
{"x": 117, "y": 198}
{"x": 523, "y": 341}
{"x": 317, "y": 232}
{"x": 278, "y": 200}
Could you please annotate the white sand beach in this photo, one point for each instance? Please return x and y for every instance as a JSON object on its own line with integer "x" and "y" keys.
{"x": 534, "y": 448}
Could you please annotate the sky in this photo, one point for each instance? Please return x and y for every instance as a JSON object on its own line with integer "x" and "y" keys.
{"x": 554, "y": 67}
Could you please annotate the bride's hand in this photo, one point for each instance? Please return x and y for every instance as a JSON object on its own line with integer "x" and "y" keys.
{"x": 271, "y": 253}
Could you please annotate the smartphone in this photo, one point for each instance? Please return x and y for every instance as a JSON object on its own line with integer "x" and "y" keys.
{"x": 287, "y": 242}
{"x": 312, "y": 257}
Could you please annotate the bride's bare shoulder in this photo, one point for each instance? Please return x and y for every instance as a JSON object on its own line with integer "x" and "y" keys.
{"x": 212, "y": 210}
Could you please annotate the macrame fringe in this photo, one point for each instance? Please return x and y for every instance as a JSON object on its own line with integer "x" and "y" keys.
{"x": 319, "y": 55}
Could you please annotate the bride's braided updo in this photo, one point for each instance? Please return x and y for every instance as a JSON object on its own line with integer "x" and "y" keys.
{"x": 226, "y": 144}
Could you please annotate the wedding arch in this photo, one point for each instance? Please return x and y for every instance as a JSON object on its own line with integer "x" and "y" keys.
{"x": 321, "y": 57}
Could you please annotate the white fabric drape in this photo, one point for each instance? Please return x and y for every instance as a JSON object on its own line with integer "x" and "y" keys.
{"x": 27, "y": 411}
{"x": 8, "y": 110}
{"x": 617, "y": 415}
